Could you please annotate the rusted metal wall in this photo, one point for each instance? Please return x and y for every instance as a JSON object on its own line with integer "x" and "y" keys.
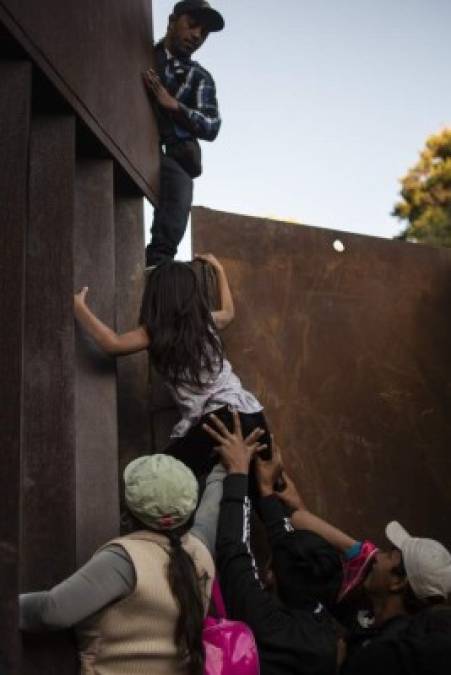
{"x": 71, "y": 216}
{"x": 134, "y": 435}
{"x": 350, "y": 354}
{"x": 15, "y": 103}
{"x": 94, "y": 52}
{"x": 96, "y": 460}
{"x": 48, "y": 496}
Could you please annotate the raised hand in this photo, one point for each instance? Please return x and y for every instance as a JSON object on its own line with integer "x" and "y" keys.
{"x": 80, "y": 297}
{"x": 269, "y": 471}
{"x": 289, "y": 495}
{"x": 236, "y": 452}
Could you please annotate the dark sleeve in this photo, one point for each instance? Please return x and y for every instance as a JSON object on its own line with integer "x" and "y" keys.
{"x": 205, "y": 120}
{"x": 275, "y": 518}
{"x": 244, "y": 595}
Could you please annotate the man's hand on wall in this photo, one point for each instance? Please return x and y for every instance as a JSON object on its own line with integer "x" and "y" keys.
{"x": 161, "y": 94}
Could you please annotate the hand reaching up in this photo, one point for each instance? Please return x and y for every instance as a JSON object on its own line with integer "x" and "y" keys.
{"x": 272, "y": 478}
{"x": 289, "y": 495}
{"x": 269, "y": 471}
{"x": 236, "y": 452}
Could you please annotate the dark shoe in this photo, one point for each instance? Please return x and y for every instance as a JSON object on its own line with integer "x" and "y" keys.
{"x": 153, "y": 259}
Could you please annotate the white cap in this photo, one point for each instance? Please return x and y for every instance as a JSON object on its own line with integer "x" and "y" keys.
{"x": 427, "y": 562}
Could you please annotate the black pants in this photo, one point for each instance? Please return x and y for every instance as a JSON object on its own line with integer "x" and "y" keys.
{"x": 171, "y": 217}
{"x": 196, "y": 448}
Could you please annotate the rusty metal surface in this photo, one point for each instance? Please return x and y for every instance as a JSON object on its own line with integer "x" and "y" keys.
{"x": 95, "y": 374}
{"x": 350, "y": 355}
{"x": 132, "y": 370}
{"x": 48, "y": 514}
{"x": 94, "y": 52}
{"x": 15, "y": 97}
{"x": 65, "y": 219}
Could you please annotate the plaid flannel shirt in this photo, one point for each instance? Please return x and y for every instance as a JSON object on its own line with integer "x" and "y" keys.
{"x": 195, "y": 90}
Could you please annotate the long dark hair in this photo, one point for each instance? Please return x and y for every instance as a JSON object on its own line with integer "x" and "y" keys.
{"x": 183, "y": 339}
{"x": 186, "y": 588}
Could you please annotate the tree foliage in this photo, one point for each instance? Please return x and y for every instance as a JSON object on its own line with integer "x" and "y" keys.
{"x": 426, "y": 194}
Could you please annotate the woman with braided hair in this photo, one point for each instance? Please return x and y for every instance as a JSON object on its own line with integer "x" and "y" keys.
{"x": 138, "y": 605}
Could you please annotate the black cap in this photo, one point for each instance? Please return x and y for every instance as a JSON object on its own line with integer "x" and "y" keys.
{"x": 210, "y": 17}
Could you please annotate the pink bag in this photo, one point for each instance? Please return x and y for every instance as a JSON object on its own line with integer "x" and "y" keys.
{"x": 230, "y": 647}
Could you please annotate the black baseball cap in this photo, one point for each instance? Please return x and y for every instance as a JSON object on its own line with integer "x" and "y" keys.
{"x": 209, "y": 16}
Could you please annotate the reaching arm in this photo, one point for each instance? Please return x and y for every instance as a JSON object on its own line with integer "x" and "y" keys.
{"x": 110, "y": 341}
{"x": 302, "y": 519}
{"x": 207, "y": 514}
{"x": 226, "y": 313}
{"x": 268, "y": 471}
{"x": 244, "y": 595}
{"x": 107, "y": 577}
{"x": 283, "y": 640}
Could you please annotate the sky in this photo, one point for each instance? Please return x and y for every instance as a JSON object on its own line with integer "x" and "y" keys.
{"x": 325, "y": 106}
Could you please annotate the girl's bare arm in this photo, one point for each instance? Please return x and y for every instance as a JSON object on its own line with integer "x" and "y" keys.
{"x": 301, "y": 518}
{"x": 110, "y": 341}
{"x": 225, "y": 314}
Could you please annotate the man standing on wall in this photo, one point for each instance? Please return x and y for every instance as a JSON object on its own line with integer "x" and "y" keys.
{"x": 187, "y": 110}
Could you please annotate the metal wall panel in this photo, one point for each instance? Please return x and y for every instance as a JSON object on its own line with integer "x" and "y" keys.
{"x": 350, "y": 354}
{"x": 132, "y": 370}
{"x": 95, "y": 378}
{"x": 48, "y": 515}
{"x": 63, "y": 202}
{"x": 15, "y": 97}
{"x": 94, "y": 52}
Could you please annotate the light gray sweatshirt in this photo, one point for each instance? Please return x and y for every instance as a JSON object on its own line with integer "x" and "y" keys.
{"x": 109, "y": 575}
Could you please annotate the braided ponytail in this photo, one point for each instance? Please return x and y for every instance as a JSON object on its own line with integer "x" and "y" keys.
{"x": 186, "y": 588}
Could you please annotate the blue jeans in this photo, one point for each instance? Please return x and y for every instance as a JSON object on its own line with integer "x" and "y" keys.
{"x": 171, "y": 217}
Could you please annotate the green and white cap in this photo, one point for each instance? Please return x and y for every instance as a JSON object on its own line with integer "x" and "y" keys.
{"x": 160, "y": 491}
{"x": 427, "y": 562}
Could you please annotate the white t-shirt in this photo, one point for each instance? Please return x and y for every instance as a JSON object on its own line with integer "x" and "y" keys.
{"x": 220, "y": 389}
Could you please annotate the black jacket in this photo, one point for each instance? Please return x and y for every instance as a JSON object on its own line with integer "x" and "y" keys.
{"x": 290, "y": 641}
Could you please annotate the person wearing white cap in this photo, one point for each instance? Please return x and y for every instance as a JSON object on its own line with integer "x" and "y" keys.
{"x": 414, "y": 575}
{"x": 404, "y": 584}
{"x": 426, "y": 561}
{"x": 408, "y": 587}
